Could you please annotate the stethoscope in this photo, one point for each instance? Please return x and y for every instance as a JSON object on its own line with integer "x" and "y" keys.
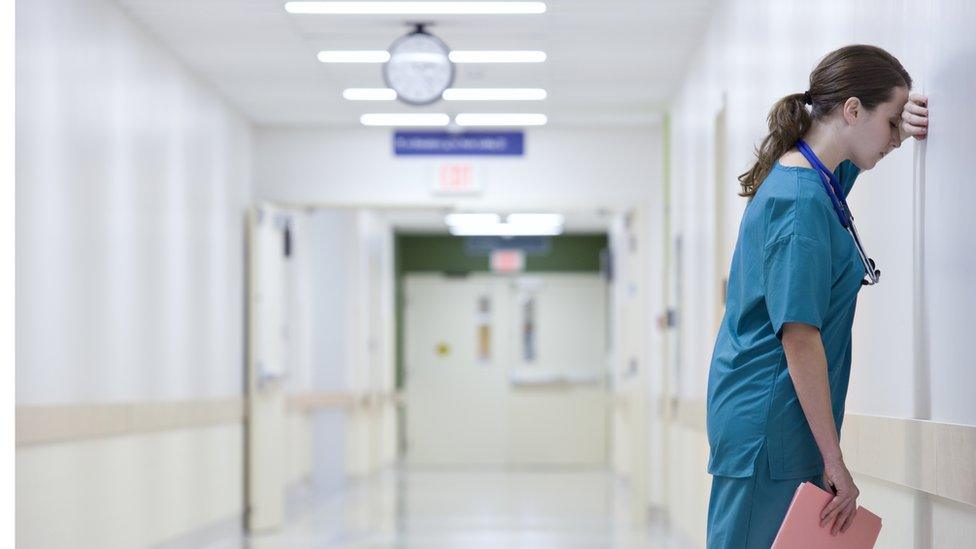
{"x": 836, "y": 193}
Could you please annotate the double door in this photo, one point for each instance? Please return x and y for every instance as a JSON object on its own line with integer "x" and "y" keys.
{"x": 506, "y": 370}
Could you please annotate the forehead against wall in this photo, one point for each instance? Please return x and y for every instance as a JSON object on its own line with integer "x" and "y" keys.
{"x": 911, "y": 351}
{"x": 757, "y": 52}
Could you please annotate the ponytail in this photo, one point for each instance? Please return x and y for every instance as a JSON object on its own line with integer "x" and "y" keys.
{"x": 866, "y": 72}
{"x": 788, "y": 121}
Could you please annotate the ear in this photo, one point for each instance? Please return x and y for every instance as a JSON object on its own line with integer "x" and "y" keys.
{"x": 853, "y": 110}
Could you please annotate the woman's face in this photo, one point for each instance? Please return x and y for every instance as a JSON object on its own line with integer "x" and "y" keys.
{"x": 875, "y": 132}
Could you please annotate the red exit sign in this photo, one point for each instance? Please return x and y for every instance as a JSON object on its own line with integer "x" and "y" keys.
{"x": 507, "y": 261}
{"x": 456, "y": 178}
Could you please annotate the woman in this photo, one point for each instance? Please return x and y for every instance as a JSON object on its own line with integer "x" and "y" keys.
{"x": 781, "y": 364}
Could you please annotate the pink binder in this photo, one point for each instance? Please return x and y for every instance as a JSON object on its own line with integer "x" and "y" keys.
{"x": 801, "y": 527}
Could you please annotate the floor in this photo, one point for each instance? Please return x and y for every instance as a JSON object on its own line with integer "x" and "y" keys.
{"x": 471, "y": 509}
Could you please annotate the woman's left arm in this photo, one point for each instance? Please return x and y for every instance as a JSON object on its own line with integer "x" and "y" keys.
{"x": 915, "y": 117}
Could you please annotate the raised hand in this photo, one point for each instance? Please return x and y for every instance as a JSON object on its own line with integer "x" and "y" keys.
{"x": 915, "y": 117}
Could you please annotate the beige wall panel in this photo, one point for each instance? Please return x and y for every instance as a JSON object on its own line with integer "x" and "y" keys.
{"x": 690, "y": 483}
{"x": 953, "y": 524}
{"x": 128, "y": 491}
{"x": 299, "y": 447}
{"x": 936, "y": 458}
{"x": 889, "y": 501}
{"x": 38, "y": 424}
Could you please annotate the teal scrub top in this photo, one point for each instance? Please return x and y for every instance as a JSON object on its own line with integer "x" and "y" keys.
{"x": 793, "y": 262}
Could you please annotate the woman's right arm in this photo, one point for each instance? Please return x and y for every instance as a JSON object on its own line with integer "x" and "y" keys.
{"x": 807, "y": 364}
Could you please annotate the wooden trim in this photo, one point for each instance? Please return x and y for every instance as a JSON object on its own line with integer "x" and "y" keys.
{"x": 319, "y": 400}
{"x": 932, "y": 457}
{"x": 690, "y": 414}
{"x": 308, "y": 402}
{"x": 936, "y": 458}
{"x": 43, "y": 424}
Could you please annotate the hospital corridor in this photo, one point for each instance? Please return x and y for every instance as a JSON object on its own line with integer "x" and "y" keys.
{"x": 514, "y": 274}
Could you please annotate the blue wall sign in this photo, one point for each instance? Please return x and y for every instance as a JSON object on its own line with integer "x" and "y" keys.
{"x": 510, "y": 143}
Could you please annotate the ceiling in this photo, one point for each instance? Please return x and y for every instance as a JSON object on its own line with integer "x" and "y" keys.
{"x": 610, "y": 62}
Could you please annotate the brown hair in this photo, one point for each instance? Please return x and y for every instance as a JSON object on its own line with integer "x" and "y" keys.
{"x": 866, "y": 72}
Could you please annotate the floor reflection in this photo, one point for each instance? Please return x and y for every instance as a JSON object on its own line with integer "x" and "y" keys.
{"x": 476, "y": 508}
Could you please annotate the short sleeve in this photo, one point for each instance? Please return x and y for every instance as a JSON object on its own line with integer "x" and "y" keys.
{"x": 796, "y": 281}
{"x": 846, "y": 173}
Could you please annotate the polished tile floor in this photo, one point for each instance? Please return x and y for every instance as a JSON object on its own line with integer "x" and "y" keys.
{"x": 470, "y": 509}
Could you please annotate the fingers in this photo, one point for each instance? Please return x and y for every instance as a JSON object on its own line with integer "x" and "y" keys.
{"x": 915, "y": 119}
{"x": 842, "y": 517}
{"x": 839, "y": 514}
{"x": 830, "y": 511}
{"x": 915, "y": 108}
{"x": 910, "y": 130}
{"x": 850, "y": 519}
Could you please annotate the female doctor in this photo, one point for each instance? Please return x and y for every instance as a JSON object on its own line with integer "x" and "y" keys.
{"x": 780, "y": 368}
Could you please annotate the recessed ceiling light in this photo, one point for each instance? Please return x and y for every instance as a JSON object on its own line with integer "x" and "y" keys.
{"x": 405, "y": 119}
{"x": 504, "y": 229}
{"x": 354, "y": 56}
{"x": 500, "y": 119}
{"x": 494, "y": 94}
{"x": 458, "y": 56}
{"x": 536, "y": 219}
{"x": 369, "y": 94}
{"x": 416, "y": 8}
{"x": 468, "y": 219}
{"x": 495, "y": 56}
{"x": 489, "y": 224}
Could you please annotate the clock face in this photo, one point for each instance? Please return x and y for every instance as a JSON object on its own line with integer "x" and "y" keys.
{"x": 419, "y": 69}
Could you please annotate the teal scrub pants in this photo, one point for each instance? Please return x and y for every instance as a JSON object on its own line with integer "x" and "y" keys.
{"x": 745, "y": 513}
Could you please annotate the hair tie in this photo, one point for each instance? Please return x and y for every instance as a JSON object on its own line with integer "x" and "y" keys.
{"x": 807, "y": 98}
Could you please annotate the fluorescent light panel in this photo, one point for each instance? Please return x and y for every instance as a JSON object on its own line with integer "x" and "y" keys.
{"x": 500, "y": 119}
{"x": 488, "y": 224}
{"x": 416, "y": 8}
{"x": 452, "y": 94}
{"x": 354, "y": 56}
{"x": 537, "y": 219}
{"x": 497, "y": 56}
{"x": 494, "y": 94}
{"x": 459, "y": 56}
{"x": 405, "y": 119}
{"x": 468, "y": 219}
{"x": 504, "y": 229}
{"x": 369, "y": 94}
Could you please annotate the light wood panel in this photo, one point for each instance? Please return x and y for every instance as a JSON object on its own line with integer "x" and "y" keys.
{"x": 41, "y": 424}
{"x": 936, "y": 458}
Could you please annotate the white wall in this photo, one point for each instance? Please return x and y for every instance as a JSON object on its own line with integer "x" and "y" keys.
{"x": 132, "y": 179}
{"x": 595, "y": 167}
{"x": 753, "y": 54}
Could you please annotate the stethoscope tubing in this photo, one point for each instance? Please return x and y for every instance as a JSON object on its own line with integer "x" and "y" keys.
{"x": 842, "y": 209}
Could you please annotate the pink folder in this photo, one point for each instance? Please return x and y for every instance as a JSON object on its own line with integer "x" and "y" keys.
{"x": 801, "y": 527}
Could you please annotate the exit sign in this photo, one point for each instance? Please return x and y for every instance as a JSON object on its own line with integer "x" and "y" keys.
{"x": 452, "y": 178}
{"x": 507, "y": 261}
